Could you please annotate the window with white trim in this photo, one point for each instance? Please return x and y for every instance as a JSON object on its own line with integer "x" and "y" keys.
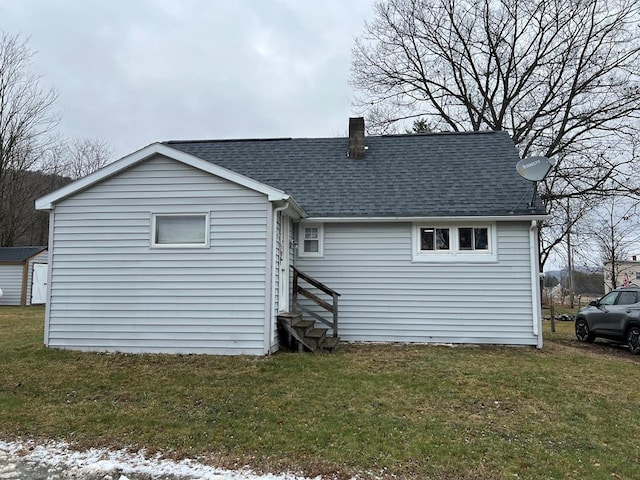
{"x": 310, "y": 241}
{"x": 180, "y": 230}
{"x": 434, "y": 239}
{"x": 454, "y": 243}
{"x": 473, "y": 238}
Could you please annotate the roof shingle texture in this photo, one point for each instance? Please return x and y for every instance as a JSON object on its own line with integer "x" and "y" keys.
{"x": 428, "y": 175}
{"x": 18, "y": 254}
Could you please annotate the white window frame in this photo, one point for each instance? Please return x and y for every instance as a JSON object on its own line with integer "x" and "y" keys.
{"x": 301, "y": 239}
{"x": 436, "y": 250}
{"x": 204, "y": 244}
{"x": 455, "y": 254}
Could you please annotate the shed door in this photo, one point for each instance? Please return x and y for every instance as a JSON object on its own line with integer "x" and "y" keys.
{"x": 39, "y": 283}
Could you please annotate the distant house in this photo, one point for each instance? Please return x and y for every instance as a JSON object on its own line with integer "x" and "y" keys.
{"x": 627, "y": 272}
{"x": 188, "y": 246}
{"x": 23, "y": 275}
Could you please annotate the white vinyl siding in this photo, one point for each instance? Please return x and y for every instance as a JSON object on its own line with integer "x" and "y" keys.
{"x": 387, "y": 297}
{"x": 11, "y": 284}
{"x": 13, "y": 281}
{"x": 110, "y": 291}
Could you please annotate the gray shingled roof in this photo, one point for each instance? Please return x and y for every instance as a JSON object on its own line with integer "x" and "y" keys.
{"x": 428, "y": 175}
{"x": 18, "y": 254}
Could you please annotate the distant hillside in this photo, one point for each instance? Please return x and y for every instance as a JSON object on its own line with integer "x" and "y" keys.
{"x": 586, "y": 281}
{"x": 20, "y": 223}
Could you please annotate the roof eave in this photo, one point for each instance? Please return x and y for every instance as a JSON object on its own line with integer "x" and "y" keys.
{"x": 457, "y": 218}
{"x": 47, "y": 202}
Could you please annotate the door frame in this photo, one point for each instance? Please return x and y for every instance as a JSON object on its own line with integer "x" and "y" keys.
{"x": 284, "y": 274}
{"x": 44, "y": 266}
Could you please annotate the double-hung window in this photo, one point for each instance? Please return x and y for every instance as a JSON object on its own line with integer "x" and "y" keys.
{"x": 180, "y": 230}
{"x": 454, "y": 243}
{"x": 310, "y": 241}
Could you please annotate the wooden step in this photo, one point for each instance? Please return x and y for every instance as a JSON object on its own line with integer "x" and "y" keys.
{"x": 286, "y": 330}
{"x": 330, "y": 343}
{"x": 296, "y": 333}
{"x": 303, "y": 326}
{"x": 290, "y": 317}
{"x": 315, "y": 337}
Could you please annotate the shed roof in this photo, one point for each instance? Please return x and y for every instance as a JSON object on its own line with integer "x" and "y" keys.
{"x": 19, "y": 254}
{"x": 421, "y": 175}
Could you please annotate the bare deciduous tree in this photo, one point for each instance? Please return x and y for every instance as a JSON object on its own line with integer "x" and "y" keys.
{"x": 561, "y": 76}
{"x": 76, "y": 158}
{"x": 26, "y": 120}
{"x": 613, "y": 229}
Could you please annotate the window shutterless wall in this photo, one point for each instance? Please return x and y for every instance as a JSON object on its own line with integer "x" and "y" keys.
{"x": 451, "y": 242}
{"x": 179, "y": 230}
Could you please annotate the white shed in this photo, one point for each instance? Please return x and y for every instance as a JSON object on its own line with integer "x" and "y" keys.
{"x": 23, "y": 275}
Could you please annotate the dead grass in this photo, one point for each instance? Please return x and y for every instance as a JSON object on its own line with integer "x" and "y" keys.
{"x": 568, "y": 411}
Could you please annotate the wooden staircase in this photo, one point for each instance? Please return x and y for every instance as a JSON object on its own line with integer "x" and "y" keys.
{"x": 302, "y": 335}
{"x": 299, "y": 334}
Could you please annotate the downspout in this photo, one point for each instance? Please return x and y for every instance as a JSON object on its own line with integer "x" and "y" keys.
{"x": 274, "y": 267}
{"x": 536, "y": 308}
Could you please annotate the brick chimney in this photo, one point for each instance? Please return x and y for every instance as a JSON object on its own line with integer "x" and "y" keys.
{"x": 356, "y": 137}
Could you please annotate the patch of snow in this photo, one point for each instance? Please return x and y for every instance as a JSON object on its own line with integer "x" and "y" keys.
{"x": 120, "y": 462}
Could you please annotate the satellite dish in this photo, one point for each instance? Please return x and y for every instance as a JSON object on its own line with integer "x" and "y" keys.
{"x": 534, "y": 168}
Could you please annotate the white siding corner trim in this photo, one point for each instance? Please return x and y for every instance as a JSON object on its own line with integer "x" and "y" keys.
{"x": 271, "y": 310}
{"x": 47, "y": 307}
{"x": 535, "y": 283}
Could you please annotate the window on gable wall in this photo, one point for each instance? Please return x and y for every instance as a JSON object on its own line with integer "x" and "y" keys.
{"x": 180, "y": 230}
{"x": 454, "y": 243}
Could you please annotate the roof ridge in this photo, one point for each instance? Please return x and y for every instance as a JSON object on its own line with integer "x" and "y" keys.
{"x": 275, "y": 139}
{"x": 227, "y": 140}
{"x": 427, "y": 134}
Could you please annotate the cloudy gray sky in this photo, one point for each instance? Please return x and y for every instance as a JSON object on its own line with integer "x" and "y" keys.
{"x": 133, "y": 72}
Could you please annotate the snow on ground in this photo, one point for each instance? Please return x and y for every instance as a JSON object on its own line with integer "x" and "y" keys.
{"x": 60, "y": 457}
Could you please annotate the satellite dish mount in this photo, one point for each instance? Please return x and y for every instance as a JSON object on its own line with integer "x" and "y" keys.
{"x": 534, "y": 169}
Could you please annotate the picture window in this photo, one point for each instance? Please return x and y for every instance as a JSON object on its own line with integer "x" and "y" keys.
{"x": 180, "y": 230}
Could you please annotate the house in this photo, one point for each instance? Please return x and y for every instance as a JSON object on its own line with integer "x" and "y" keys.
{"x": 23, "y": 275}
{"x": 627, "y": 273}
{"x": 187, "y": 246}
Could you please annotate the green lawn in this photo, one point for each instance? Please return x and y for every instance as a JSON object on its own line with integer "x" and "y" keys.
{"x": 567, "y": 411}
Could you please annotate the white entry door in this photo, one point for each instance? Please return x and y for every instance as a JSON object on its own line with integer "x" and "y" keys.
{"x": 285, "y": 271}
{"x": 39, "y": 283}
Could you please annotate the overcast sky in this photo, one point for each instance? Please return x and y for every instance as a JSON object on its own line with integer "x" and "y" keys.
{"x": 133, "y": 72}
